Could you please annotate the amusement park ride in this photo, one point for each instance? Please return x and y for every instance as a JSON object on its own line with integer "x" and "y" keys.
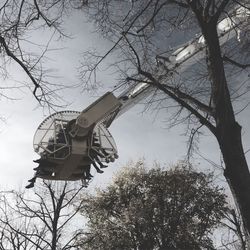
{"x": 70, "y": 142}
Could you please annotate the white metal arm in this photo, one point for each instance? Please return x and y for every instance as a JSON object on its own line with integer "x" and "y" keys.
{"x": 182, "y": 58}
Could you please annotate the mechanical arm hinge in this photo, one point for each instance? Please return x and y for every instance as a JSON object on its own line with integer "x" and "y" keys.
{"x": 94, "y": 113}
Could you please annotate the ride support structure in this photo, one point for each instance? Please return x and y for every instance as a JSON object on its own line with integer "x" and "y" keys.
{"x": 70, "y": 142}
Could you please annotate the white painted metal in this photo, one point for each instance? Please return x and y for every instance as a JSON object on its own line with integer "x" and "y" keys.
{"x": 185, "y": 56}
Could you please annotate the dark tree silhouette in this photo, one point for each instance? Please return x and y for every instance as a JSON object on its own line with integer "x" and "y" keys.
{"x": 154, "y": 209}
{"x": 44, "y": 219}
{"x": 21, "y": 22}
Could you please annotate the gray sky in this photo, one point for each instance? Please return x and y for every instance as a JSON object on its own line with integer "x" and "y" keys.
{"x": 138, "y": 134}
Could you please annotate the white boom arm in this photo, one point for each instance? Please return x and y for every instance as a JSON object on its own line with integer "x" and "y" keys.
{"x": 108, "y": 107}
{"x": 180, "y": 59}
{"x": 97, "y": 111}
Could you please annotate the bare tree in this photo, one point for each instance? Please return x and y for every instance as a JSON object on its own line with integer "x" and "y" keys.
{"x": 21, "y": 23}
{"x": 204, "y": 96}
{"x": 235, "y": 237}
{"x": 41, "y": 220}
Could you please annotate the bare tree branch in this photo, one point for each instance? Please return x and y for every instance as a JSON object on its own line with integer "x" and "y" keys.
{"x": 233, "y": 62}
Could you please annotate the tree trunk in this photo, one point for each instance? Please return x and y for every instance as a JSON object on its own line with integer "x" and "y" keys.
{"x": 236, "y": 168}
{"x": 228, "y": 131}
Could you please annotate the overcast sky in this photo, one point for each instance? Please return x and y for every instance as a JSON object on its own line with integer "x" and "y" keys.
{"x": 138, "y": 134}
